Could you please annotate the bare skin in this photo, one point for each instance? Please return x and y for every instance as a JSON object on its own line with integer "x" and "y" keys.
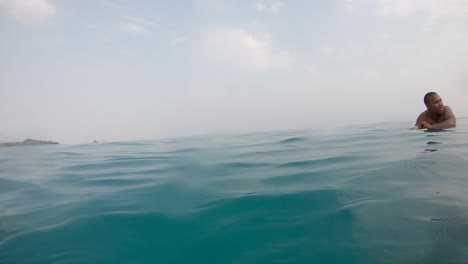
{"x": 437, "y": 115}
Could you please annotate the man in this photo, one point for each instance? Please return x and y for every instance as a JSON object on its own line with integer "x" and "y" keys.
{"x": 437, "y": 115}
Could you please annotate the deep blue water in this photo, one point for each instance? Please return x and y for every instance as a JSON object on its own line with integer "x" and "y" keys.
{"x": 361, "y": 194}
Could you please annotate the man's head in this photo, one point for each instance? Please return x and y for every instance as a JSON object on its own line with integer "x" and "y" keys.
{"x": 434, "y": 103}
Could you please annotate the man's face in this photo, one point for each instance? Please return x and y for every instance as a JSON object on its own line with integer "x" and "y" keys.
{"x": 435, "y": 105}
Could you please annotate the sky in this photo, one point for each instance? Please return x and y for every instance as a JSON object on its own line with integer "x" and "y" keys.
{"x": 117, "y": 70}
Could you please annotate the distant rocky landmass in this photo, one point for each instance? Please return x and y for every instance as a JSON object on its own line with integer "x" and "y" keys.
{"x": 28, "y": 142}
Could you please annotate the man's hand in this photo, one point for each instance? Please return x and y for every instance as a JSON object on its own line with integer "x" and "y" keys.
{"x": 425, "y": 124}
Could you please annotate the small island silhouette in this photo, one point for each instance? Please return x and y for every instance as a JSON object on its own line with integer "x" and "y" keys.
{"x": 28, "y": 142}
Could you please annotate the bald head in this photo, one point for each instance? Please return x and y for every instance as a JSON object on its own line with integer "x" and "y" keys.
{"x": 428, "y": 96}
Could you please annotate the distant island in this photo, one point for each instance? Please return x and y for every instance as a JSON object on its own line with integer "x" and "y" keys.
{"x": 28, "y": 142}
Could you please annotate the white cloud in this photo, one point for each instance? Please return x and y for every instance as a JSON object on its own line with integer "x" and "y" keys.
{"x": 349, "y": 4}
{"x": 436, "y": 8}
{"x": 114, "y": 4}
{"x": 29, "y": 10}
{"x": 358, "y": 49}
{"x": 272, "y": 8}
{"x": 436, "y": 14}
{"x": 384, "y": 36}
{"x": 213, "y": 4}
{"x": 276, "y": 7}
{"x": 137, "y": 25}
{"x": 177, "y": 40}
{"x": 134, "y": 28}
{"x": 237, "y": 47}
{"x": 260, "y": 7}
{"x": 140, "y": 21}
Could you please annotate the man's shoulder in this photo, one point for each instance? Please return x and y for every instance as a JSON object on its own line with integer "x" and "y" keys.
{"x": 448, "y": 112}
{"x": 423, "y": 114}
{"x": 422, "y": 117}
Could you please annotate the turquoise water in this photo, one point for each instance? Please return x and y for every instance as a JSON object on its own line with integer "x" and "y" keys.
{"x": 361, "y": 194}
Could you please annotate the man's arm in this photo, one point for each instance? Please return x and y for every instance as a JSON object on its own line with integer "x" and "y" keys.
{"x": 449, "y": 122}
{"x": 420, "y": 120}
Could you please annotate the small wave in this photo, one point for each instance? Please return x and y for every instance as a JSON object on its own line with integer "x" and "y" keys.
{"x": 299, "y": 178}
{"x": 7, "y": 185}
{"x": 458, "y": 220}
{"x": 362, "y": 201}
{"x": 122, "y": 143}
{"x": 244, "y": 165}
{"x": 111, "y": 165}
{"x": 293, "y": 140}
{"x": 319, "y": 161}
{"x": 116, "y": 182}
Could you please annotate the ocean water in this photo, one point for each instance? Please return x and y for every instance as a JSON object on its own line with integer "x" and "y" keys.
{"x": 360, "y": 194}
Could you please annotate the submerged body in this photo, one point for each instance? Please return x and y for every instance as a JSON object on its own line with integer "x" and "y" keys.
{"x": 437, "y": 115}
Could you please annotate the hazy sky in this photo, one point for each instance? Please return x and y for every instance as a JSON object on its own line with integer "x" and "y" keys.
{"x": 73, "y": 71}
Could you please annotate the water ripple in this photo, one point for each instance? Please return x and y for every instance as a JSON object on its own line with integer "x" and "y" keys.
{"x": 361, "y": 194}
